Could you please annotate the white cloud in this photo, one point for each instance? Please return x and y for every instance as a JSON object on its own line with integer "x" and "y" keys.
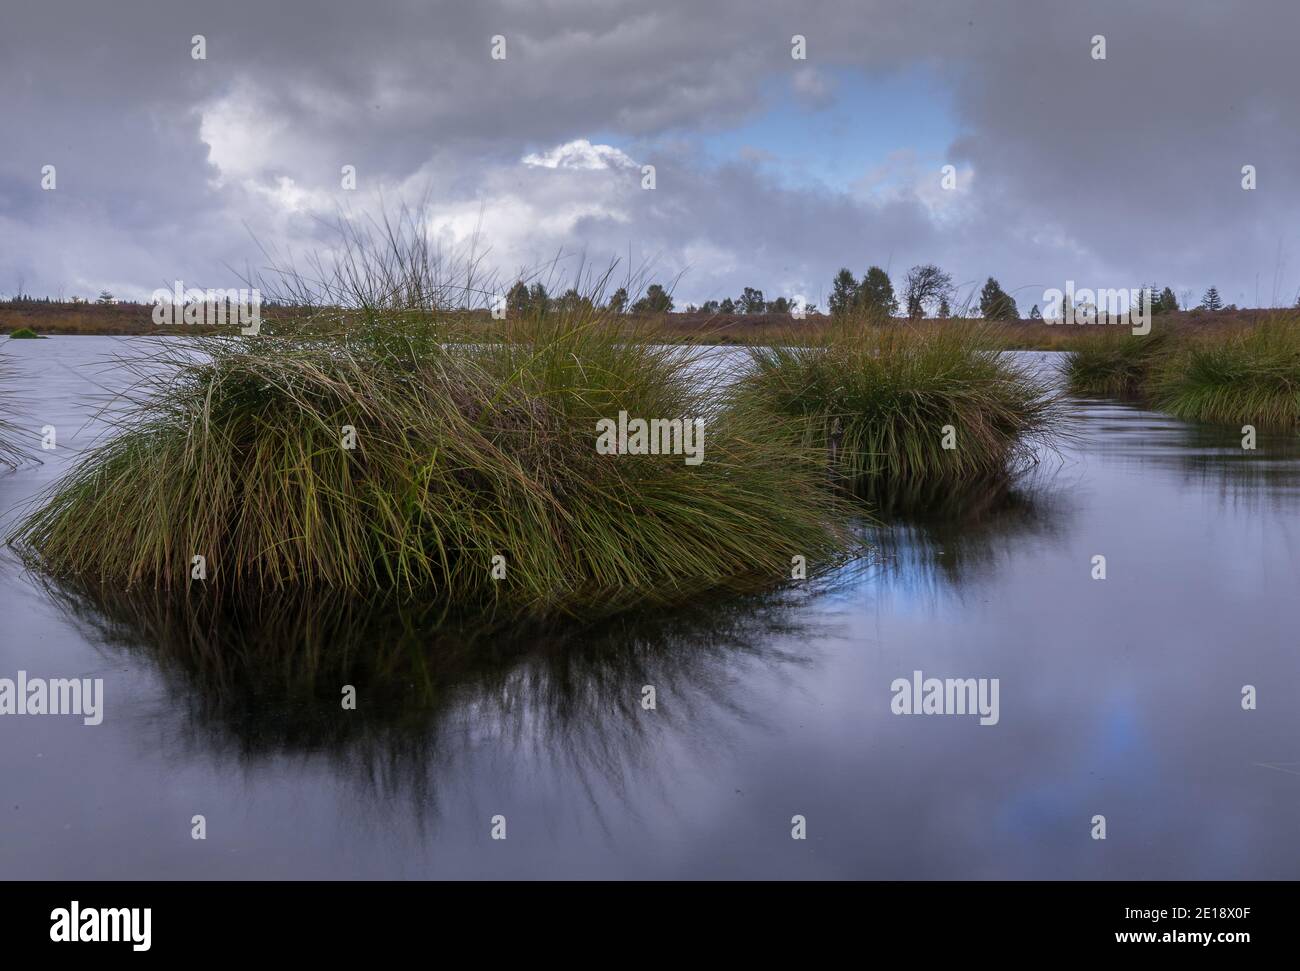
{"x": 243, "y": 140}
{"x": 580, "y": 154}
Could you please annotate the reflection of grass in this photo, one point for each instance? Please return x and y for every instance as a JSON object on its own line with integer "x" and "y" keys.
{"x": 954, "y": 538}
{"x": 462, "y": 453}
{"x": 1112, "y": 362}
{"x": 266, "y": 678}
{"x": 1249, "y": 376}
{"x": 880, "y": 397}
{"x": 1207, "y": 457}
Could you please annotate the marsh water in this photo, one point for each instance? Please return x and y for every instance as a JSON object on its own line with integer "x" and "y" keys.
{"x": 1119, "y": 697}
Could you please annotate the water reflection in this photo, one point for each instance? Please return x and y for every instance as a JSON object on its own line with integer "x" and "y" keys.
{"x": 943, "y": 539}
{"x": 252, "y": 683}
{"x": 1120, "y": 697}
{"x": 264, "y": 680}
{"x": 1208, "y": 458}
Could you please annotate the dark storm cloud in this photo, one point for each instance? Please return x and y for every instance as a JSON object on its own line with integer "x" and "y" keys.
{"x": 1138, "y": 158}
{"x": 1109, "y": 172}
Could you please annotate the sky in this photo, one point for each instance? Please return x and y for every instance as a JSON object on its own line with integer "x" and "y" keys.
{"x": 770, "y": 171}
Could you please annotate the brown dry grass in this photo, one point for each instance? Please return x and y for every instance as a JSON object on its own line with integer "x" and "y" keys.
{"x": 135, "y": 319}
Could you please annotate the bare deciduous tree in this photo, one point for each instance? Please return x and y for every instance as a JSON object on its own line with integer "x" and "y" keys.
{"x": 926, "y": 287}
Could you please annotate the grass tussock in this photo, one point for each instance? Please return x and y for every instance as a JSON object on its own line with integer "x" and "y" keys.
{"x": 12, "y": 453}
{"x": 25, "y": 333}
{"x": 234, "y": 449}
{"x": 884, "y": 398}
{"x": 1113, "y": 362}
{"x": 1250, "y": 376}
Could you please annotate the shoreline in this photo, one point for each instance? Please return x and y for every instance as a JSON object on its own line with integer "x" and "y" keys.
{"x": 134, "y": 320}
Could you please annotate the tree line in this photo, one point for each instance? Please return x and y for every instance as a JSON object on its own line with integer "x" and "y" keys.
{"x": 927, "y": 291}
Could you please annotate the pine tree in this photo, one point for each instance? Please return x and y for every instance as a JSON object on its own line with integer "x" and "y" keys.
{"x": 844, "y": 292}
{"x": 571, "y": 301}
{"x": 996, "y": 303}
{"x": 752, "y": 302}
{"x": 1151, "y": 292}
{"x": 657, "y": 300}
{"x": 1212, "y": 300}
{"x": 1035, "y": 313}
{"x": 518, "y": 300}
{"x": 876, "y": 293}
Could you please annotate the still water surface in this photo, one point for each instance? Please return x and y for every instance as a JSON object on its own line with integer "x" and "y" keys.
{"x": 1119, "y": 697}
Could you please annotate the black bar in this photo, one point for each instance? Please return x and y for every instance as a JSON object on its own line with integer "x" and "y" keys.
{"x": 329, "y": 921}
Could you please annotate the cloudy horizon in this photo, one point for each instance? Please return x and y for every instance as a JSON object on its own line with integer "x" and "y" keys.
{"x": 769, "y": 170}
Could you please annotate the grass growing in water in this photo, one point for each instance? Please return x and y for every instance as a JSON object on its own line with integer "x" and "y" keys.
{"x": 25, "y": 333}
{"x": 1250, "y": 376}
{"x": 1112, "y": 362}
{"x": 879, "y": 395}
{"x": 462, "y": 453}
{"x": 12, "y": 453}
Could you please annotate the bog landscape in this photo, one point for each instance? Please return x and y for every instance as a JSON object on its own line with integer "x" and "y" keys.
{"x": 717, "y": 448}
